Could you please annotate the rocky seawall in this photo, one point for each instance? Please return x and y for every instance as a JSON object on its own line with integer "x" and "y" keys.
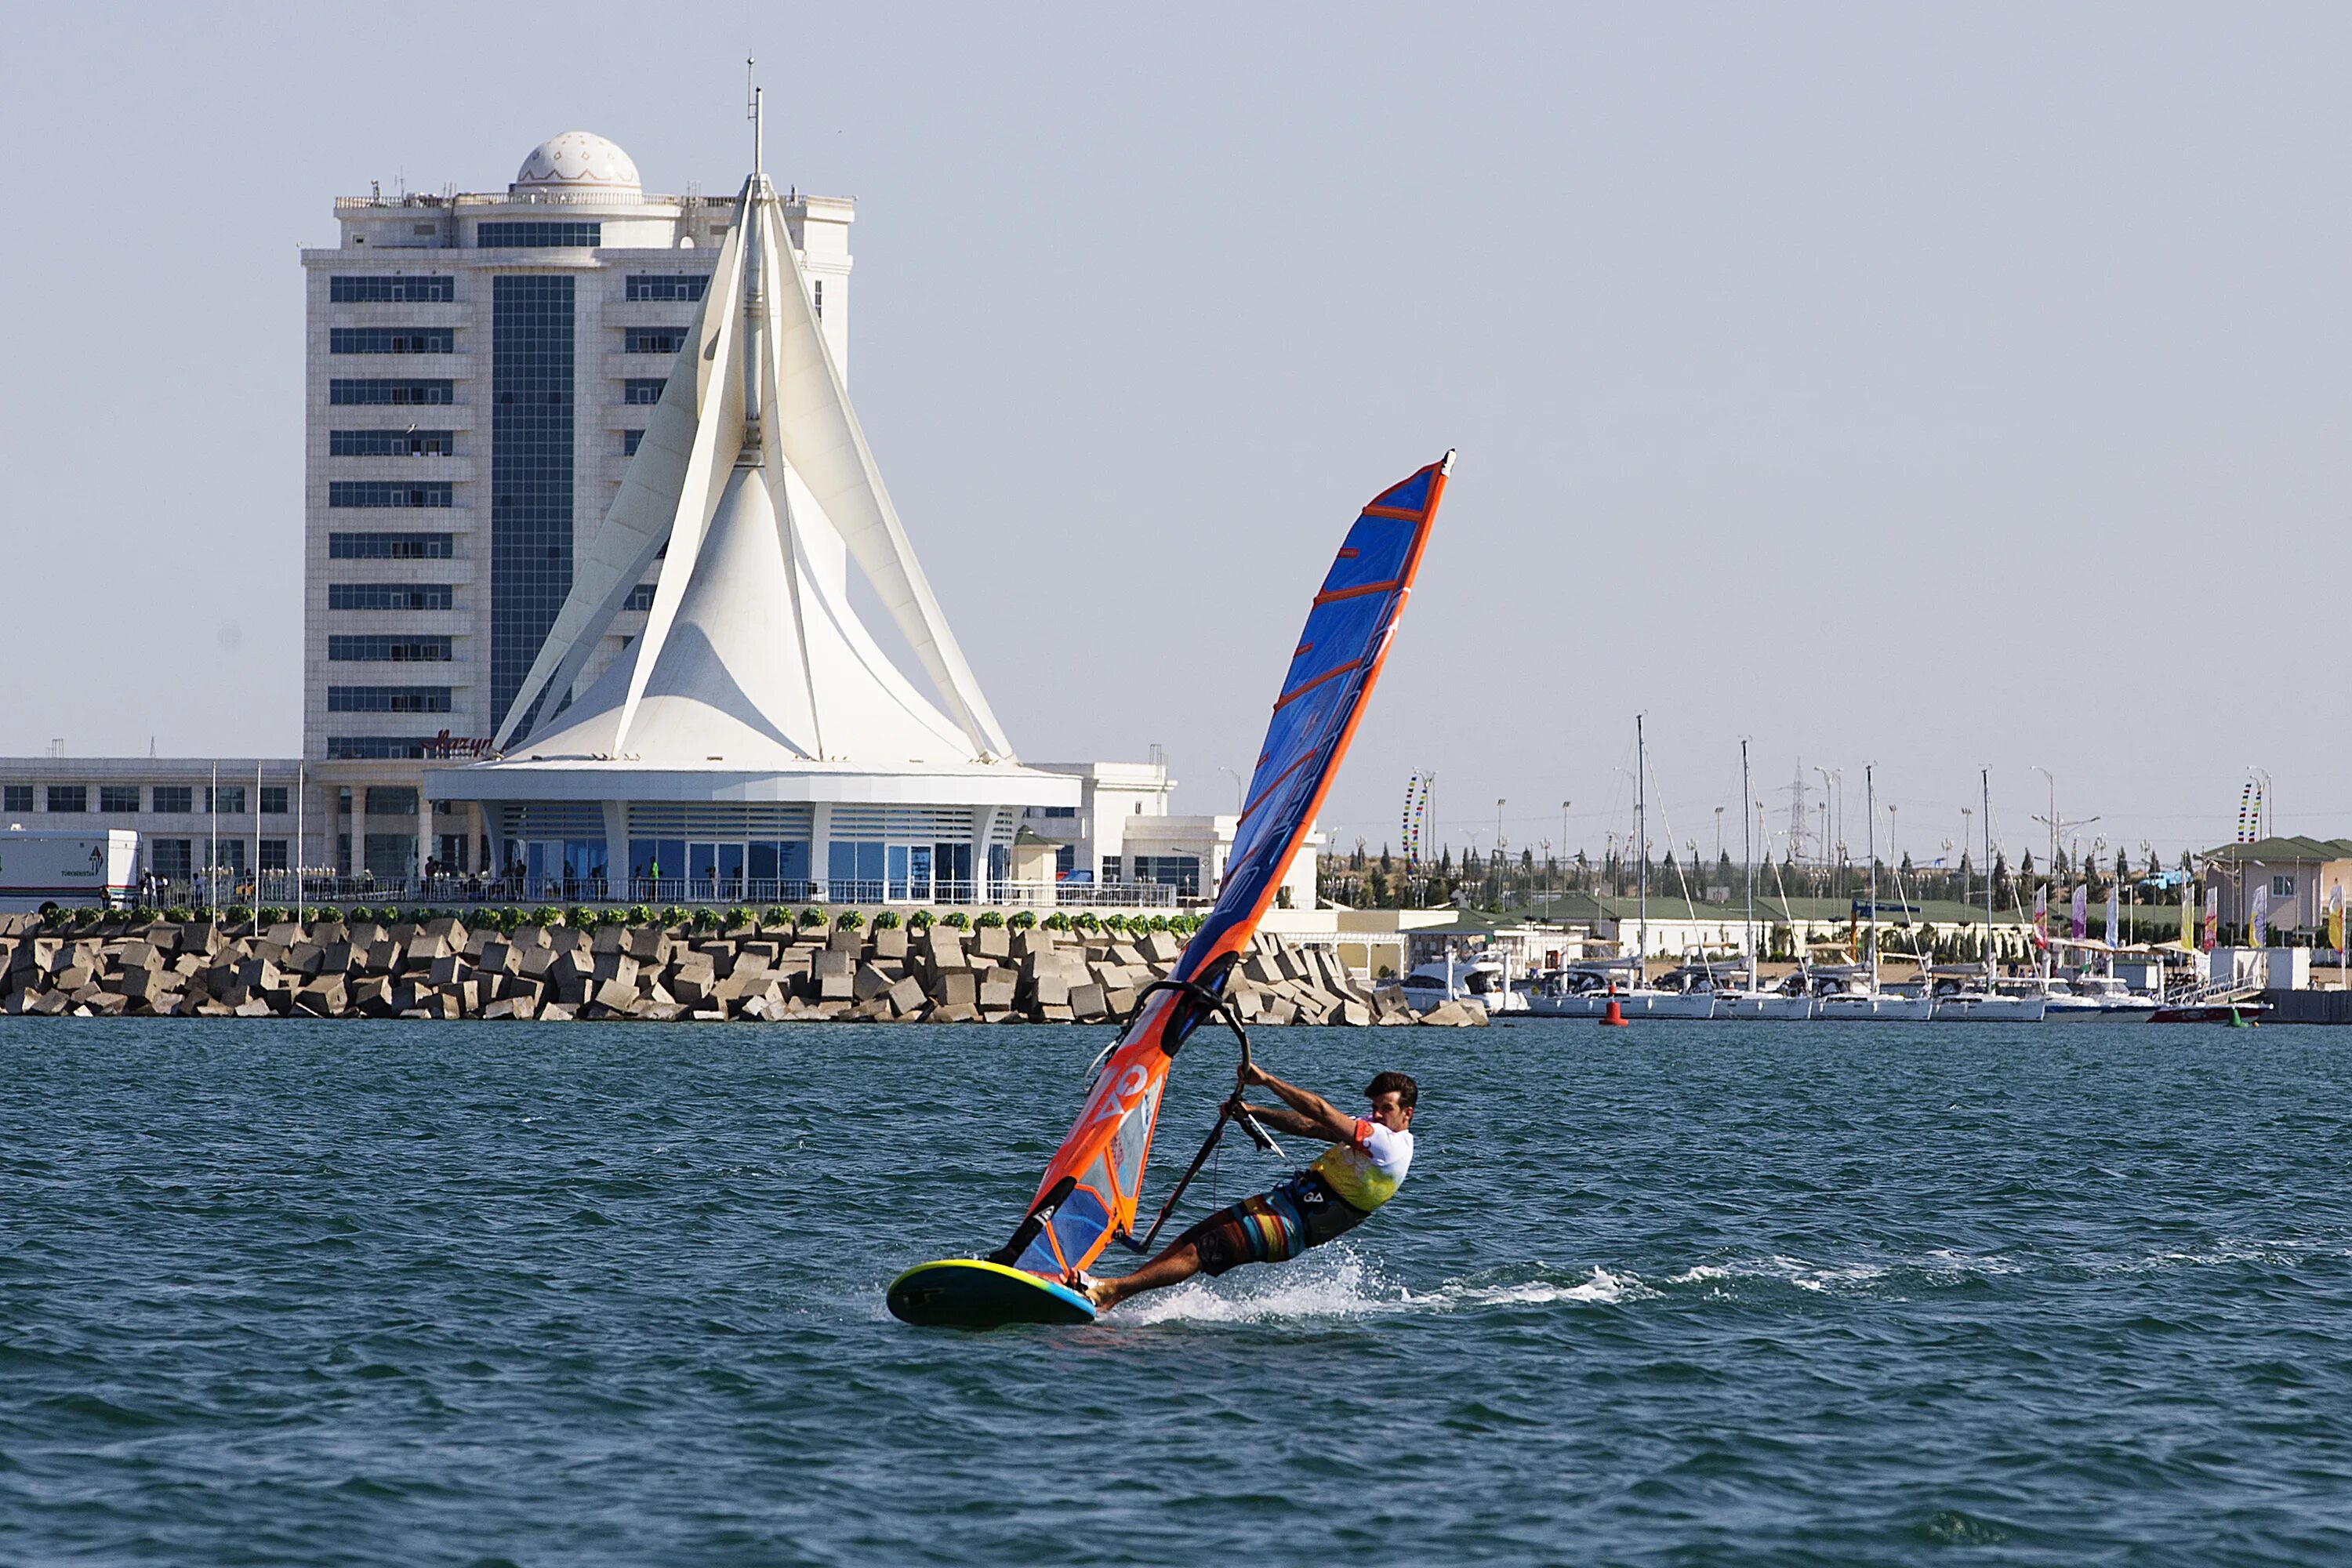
{"x": 439, "y": 969}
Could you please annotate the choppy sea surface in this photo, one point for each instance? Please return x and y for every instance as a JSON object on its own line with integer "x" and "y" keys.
{"x": 466, "y": 1293}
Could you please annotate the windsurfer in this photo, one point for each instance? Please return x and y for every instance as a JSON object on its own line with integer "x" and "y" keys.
{"x": 1363, "y": 1169}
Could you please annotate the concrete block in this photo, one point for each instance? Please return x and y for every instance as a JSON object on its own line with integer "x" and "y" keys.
{"x": 614, "y": 968}
{"x": 1086, "y": 1003}
{"x": 960, "y": 988}
{"x": 617, "y": 995}
{"x": 993, "y": 942}
{"x": 871, "y": 981}
{"x": 952, "y": 1013}
{"x": 327, "y": 995}
{"x": 995, "y": 992}
{"x": 890, "y": 942}
{"x": 1050, "y": 991}
{"x": 1054, "y": 1013}
{"x": 1119, "y": 1002}
{"x": 498, "y": 958}
{"x": 833, "y": 964}
{"x": 556, "y": 1013}
{"x": 465, "y": 994}
{"x": 448, "y": 970}
{"x": 836, "y": 988}
{"x": 905, "y": 997}
{"x": 943, "y": 947}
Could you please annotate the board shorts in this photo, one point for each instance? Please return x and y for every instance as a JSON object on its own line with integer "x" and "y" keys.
{"x": 1274, "y": 1227}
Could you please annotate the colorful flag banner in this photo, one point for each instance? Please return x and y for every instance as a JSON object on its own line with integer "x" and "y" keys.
{"x": 2115, "y": 914}
{"x": 2336, "y": 917}
{"x": 2212, "y": 917}
{"x": 2078, "y": 913}
{"x": 2259, "y": 921}
{"x": 2041, "y": 917}
{"x": 2189, "y": 917}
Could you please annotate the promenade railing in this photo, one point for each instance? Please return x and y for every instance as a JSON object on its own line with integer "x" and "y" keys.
{"x": 287, "y": 889}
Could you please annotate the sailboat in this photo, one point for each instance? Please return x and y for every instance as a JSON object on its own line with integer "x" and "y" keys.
{"x": 1087, "y": 1198}
{"x": 1987, "y": 1004}
{"x": 1853, "y": 999}
{"x": 1752, "y": 1001}
{"x": 1643, "y": 1000}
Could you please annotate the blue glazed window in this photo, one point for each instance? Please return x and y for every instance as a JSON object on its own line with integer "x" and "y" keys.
{"x": 375, "y": 288}
{"x": 389, "y": 597}
{"x": 653, "y": 340}
{"x": 387, "y": 700}
{"x": 641, "y": 597}
{"x": 668, "y": 286}
{"x": 390, "y": 493}
{"x": 374, "y": 748}
{"x": 629, "y": 439}
{"x": 391, "y": 546}
{"x": 391, "y": 443}
{"x": 392, "y": 340}
{"x": 393, "y": 649}
{"x": 643, "y": 389}
{"x": 179, "y": 799}
{"x": 539, "y": 237}
{"x": 394, "y": 392}
{"x": 532, "y": 349}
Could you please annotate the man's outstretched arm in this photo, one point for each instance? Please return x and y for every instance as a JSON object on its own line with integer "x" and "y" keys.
{"x": 1310, "y": 1114}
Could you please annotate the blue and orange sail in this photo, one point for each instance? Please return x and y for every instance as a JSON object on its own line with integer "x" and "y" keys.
{"x": 1089, "y": 1191}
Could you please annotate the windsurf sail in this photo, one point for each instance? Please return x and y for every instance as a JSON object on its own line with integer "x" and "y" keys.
{"x": 1089, "y": 1191}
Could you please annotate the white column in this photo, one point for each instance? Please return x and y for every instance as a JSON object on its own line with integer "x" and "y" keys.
{"x": 821, "y": 842}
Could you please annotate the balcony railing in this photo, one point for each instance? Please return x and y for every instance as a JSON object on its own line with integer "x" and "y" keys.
{"x": 285, "y": 889}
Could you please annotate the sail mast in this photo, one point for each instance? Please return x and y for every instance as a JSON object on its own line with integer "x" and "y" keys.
{"x": 1641, "y": 846}
{"x": 1984, "y": 779}
{"x": 1747, "y": 861}
{"x": 1870, "y": 837}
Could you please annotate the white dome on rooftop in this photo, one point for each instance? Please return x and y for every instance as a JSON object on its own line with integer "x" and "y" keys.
{"x": 576, "y": 160}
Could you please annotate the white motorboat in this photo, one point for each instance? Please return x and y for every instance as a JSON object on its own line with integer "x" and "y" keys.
{"x": 1789, "y": 1002}
{"x": 1476, "y": 982}
{"x": 1969, "y": 993}
{"x": 1850, "y": 993}
{"x": 2093, "y": 998}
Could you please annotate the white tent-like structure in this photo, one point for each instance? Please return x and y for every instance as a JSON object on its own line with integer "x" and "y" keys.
{"x": 754, "y": 737}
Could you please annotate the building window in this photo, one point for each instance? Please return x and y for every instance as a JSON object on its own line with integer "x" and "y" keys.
{"x": 653, "y": 340}
{"x": 820, "y": 299}
{"x": 392, "y": 340}
{"x": 391, "y": 546}
{"x": 1181, "y": 872}
{"x": 641, "y": 597}
{"x": 668, "y": 286}
{"x": 1066, "y": 859}
{"x": 69, "y": 797}
{"x": 390, "y": 493}
{"x": 1057, "y": 810}
{"x": 2282, "y": 887}
{"x": 273, "y": 855}
{"x": 118, "y": 799}
{"x": 229, "y": 798}
{"x": 388, "y": 699}
{"x": 629, "y": 439}
{"x": 392, "y": 649}
{"x": 532, "y": 357}
{"x": 15, "y": 797}
{"x": 174, "y": 798}
{"x": 1109, "y": 868}
{"x": 374, "y": 748}
{"x": 643, "y": 389}
{"x": 390, "y": 442}
{"x": 539, "y": 237}
{"x": 389, "y": 597}
{"x": 173, "y": 859}
{"x": 379, "y": 289}
{"x": 398, "y": 394}
{"x": 273, "y": 801}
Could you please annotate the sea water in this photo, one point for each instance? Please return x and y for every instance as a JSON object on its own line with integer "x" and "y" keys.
{"x": 480, "y": 1293}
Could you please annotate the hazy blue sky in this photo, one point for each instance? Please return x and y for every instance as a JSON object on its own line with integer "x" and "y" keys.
{"x": 1936, "y": 388}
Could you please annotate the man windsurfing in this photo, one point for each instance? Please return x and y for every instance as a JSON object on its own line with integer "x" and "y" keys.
{"x": 1363, "y": 1169}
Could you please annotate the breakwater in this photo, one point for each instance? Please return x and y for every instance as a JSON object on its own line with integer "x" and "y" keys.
{"x": 439, "y": 968}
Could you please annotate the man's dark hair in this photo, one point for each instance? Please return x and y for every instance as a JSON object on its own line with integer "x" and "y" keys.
{"x": 1405, "y": 1089}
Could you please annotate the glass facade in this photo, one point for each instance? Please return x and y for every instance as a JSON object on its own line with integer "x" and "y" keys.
{"x": 391, "y": 546}
{"x": 641, "y": 597}
{"x": 391, "y": 443}
{"x": 392, "y": 340}
{"x": 397, "y": 394}
{"x": 376, "y": 288}
{"x": 643, "y": 389}
{"x": 387, "y": 700}
{"x": 15, "y": 797}
{"x": 539, "y": 237}
{"x": 668, "y": 286}
{"x": 390, "y": 595}
{"x": 69, "y": 797}
{"x": 531, "y": 342}
{"x": 171, "y": 798}
{"x": 388, "y": 649}
{"x": 629, "y": 439}
{"x": 653, "y": 340}
{"x": 274, "y": 800}
{"x": 119, "y": 799}
{"x": 375, "y": 748}
{"x": 173, "y": 859}
{"x": 390, "y": 493}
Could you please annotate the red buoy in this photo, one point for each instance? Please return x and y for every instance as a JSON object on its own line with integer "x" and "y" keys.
{"x": 1616, "y": 1015}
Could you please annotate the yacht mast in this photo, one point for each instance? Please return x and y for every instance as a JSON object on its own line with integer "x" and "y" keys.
{"x": 1870, "y": 837}
{"x": 1748, "y": 860}
{"x": 1641, "y": 846}
{"x": 1984, "y": 777}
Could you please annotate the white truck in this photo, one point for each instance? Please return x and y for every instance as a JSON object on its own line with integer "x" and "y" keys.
{"x": 99, "y": 867}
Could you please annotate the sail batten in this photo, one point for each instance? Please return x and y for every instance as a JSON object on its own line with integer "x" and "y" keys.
{"x": 1090, "y": 1188}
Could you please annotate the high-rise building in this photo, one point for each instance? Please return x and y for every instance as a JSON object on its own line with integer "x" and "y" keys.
{"x": 479, "y": 370}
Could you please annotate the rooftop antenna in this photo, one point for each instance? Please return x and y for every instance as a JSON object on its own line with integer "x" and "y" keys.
{"x": 752, "y": 112}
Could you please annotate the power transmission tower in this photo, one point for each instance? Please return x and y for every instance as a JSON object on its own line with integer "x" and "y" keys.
{"x": 1795, "y": 792}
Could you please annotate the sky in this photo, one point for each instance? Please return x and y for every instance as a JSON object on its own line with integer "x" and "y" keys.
{"x": 1917, "y": 390}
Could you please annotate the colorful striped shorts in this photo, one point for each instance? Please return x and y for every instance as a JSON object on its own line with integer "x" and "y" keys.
{"x": 1264, "y": 1229}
